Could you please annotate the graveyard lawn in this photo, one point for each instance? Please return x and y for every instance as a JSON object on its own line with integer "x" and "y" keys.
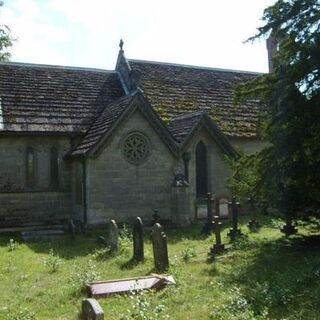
{"x": 262, "y": 276}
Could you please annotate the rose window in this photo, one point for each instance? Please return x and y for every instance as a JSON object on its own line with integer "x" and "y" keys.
{"x": 135, "y": 148}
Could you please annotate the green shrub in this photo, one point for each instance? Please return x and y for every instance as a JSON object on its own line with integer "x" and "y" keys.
{"x": 85, "y": 275}
{"x": 53, "y": 261}
{"x": 12, "y": 245}
{"x": 188, "y": 253}
{"x": 21, "y": 314}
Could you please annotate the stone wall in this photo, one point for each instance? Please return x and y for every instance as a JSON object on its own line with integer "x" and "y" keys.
{"x": 118, "y": 189}
{"x": 42, "y": 199}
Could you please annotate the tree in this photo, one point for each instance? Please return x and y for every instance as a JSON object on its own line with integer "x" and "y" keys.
{"x": 286, "y": 173}
{"x": 5, "y": 41}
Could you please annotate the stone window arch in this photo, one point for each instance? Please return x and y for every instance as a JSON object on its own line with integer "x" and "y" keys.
{"x": 54, "y": 167}
{"x": 201, "y": 169}
{"x": 30, "y": 167}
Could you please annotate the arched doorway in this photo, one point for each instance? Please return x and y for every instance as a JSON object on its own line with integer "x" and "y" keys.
{"x": 201, "y": 170}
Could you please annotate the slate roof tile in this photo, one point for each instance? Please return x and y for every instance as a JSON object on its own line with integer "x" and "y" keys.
{"x": 177, "y": 89}
{"x": 52, "y": 98}
{"x": 104, "y": 122}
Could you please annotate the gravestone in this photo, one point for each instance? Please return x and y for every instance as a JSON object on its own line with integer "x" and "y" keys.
{"x": 207, "y": 228}
{"x": 253, "y": 224}
{"x": 223, "y": 208}
{"x": 160, "y": 248}
{"x": 289, "y": 229}
{"x": 113, "y": 236}
{"x": 218, "y": 246}
{"x": 235, "y": 231}
{"x": 138, "y": 248}
{"x": 91, "y": 310}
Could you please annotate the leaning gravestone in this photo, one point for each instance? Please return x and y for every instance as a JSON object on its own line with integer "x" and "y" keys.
{"x": 91, "y": 310}
{"x": 138, "y": 248}
{"x": 113, "y": 236}
{"x": 160, "y": 248}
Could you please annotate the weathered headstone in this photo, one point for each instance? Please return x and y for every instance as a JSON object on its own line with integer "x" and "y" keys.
{"x": 91, "y": 310}
{"x": 218, "y": 246}
{"x": 113, "y": 236}
{"x": 289, "y": 229}
{"x": 223, "y": 208}
{"x": 235, "y": 231}
{"x": 138, "y": 247}
{"x": 160, "y": 248}
{"x": 207, "y": 228}
{"x": 253, "y": 224}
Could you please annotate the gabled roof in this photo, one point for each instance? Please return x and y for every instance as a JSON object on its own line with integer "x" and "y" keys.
{"x": 185, "y": 127}
{"x": 178, "y": 89}
{"x": 112, "y": 116}
{"x": 41, "y": 98}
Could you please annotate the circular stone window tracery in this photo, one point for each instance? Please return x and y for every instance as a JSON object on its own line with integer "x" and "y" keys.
{"x": 135, "y": 148}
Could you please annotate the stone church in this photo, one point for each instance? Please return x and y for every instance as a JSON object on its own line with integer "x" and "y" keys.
{"x": 95, "y": 145}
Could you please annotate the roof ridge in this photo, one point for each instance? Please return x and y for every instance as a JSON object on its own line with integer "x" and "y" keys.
{"x": 194, "y": 67}
{"x": 52, "y": 66}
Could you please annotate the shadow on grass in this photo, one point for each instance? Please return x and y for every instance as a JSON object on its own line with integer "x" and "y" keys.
{"x": 281, "y": 276}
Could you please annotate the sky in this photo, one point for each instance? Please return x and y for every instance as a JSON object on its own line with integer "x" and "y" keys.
{"x": 87, "y": 33}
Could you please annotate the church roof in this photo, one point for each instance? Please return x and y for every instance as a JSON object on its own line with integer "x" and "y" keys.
{"x": 41, "y": 98}
{"x": 112, "y": 116}
{"x": 181, "y": 126}
{"x": 102, "y": 125}
{"x": 184, "y": 127}
{"x": 174, "y": 90}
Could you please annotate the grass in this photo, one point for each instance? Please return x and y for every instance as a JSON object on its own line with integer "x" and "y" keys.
{"x": 262, "y": 276}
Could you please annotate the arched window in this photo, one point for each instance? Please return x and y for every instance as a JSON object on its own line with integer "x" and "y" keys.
{"x": 30, "y": 167}
{"x": 54, "y": 167}
{"x": 201, "y": 170}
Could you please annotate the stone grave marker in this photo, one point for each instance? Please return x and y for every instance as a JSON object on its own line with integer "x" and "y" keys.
{"x": 138, "y": 246}
{"x": 160, "y": 248}
{"x": 207, "y": 228}
{"x": 289, "y": 229}
{"x": 223, "y": 208}
{"x": 218, "y": 246}
{"x": 235, "y": 231}
{"x": 91, "y": 310}
{"x": 253, "y": 224}
{"x": 113, "y": 236}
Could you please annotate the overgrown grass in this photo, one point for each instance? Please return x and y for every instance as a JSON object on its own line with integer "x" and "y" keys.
{"x": 262, "y": 276}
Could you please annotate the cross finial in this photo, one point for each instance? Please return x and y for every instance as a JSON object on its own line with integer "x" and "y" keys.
{"x": 121, "y": 44}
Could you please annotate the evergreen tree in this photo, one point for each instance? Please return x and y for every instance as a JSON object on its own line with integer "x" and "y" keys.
{"x": 286, "y": 174}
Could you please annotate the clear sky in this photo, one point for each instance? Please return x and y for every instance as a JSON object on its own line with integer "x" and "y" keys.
{"x": 87, "y": 33}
